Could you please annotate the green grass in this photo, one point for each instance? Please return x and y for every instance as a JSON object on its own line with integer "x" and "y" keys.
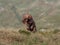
{"x": 56, "y": 31}
{"x": 24, "y": 32}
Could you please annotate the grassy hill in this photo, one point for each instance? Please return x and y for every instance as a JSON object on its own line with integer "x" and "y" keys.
{"x": 22, "y": 37}
{"x": 46, "y": 14}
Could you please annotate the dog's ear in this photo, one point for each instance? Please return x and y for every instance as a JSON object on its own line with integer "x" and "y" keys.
{"x": 29, "y": 16}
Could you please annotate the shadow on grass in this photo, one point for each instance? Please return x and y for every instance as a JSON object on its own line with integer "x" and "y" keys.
{"x": 56, "y": 31}
{"x": 24, "y": 32}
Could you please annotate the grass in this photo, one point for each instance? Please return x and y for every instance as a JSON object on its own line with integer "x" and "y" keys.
{"x": 24, "y": 32}
{"x": 27, "y": 38}
{"x": 56, "y": 31}
{"x": 9, "y": 9}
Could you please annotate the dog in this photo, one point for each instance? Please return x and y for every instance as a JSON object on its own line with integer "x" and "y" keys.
{"x": 29, "y": 22}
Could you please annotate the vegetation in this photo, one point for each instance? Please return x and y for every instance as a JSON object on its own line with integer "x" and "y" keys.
{"x": 46, "y": 14}
{"x": 27, "y": 38}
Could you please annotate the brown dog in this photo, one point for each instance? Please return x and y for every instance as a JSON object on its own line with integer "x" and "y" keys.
{"x": 28, "y": 20}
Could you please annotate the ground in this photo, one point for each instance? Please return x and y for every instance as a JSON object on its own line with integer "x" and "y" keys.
{"x": 23, "y": 37}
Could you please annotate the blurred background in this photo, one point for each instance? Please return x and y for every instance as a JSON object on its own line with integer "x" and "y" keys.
{"x": 46, "y": 13}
